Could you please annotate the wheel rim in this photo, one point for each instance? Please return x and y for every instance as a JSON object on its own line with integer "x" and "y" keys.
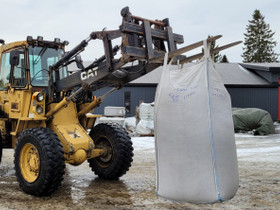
{"x": 29, "y": 162}
{"x": 105, "y": 160}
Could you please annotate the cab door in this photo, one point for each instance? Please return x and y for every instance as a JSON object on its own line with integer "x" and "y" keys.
{"x": 13, "y": 83}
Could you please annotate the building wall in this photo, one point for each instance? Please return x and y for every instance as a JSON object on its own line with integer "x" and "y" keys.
{"x": 146, "y": 94}
{"x": 259, "y": 97}
{"x": 243, "y": 97}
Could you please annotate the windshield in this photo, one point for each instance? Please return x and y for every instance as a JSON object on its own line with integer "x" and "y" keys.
{"x": 40, "y": 59}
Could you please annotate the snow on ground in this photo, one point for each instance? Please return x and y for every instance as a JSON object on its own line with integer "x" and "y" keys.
{"x": 260, "y": 154}
{"x": 258, "y": 148}
{"x": 249, "y": 147}
{"x": 143, "y": 143}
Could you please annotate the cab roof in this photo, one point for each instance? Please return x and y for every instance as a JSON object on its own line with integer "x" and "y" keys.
{"x": 33, "y": 42}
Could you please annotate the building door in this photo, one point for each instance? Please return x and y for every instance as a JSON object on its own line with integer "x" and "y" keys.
{"x": 127, "y": 102}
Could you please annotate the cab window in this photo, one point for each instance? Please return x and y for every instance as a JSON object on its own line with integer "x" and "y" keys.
{"x": 18, "y": 78}
{"x": 5, "y": 71}
{"x": 15, "y": 75}
{"x": 40, "y": 59}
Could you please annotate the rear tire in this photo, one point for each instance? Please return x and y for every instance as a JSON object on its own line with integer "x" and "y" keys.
{"x": 39, "y": 161}
{"x": 118, "y": 158}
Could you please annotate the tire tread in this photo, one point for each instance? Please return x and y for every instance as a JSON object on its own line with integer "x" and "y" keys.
{"x": 124, "y": 150}
{"x": 53, "y": 157}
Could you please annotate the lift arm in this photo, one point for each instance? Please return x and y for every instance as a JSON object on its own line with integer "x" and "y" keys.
{"x": 141, "y": 41}
{"x": 143, "y": 46}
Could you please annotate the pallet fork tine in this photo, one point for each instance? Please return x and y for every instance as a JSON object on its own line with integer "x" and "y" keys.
{"x": 214, "y": 51}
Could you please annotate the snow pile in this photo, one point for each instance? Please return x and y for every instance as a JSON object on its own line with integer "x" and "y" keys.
{"x": 130, "y": 125}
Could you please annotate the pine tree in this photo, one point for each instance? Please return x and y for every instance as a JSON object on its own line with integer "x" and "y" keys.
{"x": 259, "y": 42}
{"x": 224, "y": 59}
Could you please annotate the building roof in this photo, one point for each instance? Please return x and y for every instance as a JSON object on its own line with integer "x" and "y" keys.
{"x": 255, "y": 74}
{"x": 268, "y": 71}
{"x": 262, "y": 66}
{"x": 230, "y": 73}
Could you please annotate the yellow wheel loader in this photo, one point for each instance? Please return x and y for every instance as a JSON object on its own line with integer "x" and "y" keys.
{"x": 46, "y": 111}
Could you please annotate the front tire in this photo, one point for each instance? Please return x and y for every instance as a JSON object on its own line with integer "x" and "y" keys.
{"x": 39, "y": 161}
{"x": 119, "y": 151}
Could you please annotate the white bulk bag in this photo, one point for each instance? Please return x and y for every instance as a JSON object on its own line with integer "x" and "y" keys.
{"x": 146, "y": 123}
{"x": 146, "y": 111}
{"x": 194, "y": 135}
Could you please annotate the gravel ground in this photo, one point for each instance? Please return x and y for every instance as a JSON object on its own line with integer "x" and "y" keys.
{"x": 259, "y": 172}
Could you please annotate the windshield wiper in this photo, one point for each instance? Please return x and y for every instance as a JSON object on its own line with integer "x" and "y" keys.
{"x": 43, "y": 50}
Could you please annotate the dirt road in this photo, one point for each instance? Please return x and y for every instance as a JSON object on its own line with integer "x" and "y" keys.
{"x": 259, "y": 171}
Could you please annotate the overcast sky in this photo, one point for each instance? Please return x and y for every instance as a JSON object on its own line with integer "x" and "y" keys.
{"x": 194, "y": 19}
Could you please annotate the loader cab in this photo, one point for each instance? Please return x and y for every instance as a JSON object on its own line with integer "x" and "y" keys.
{"x": 29, "y": 63}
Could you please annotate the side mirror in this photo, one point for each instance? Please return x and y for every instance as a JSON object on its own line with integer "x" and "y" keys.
{"x": 14, "y": 58}
{"x": 79, "y": 62}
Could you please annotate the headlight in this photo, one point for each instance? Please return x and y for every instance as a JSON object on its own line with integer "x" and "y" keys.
{"x": 40, "y": 97}
{"x": 39, "y": 109}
